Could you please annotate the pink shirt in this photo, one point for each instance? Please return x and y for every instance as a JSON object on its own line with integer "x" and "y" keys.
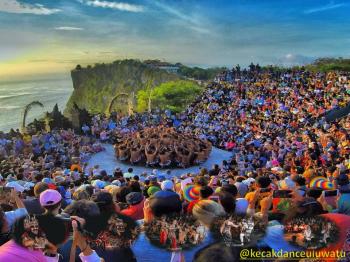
{"x": 11, "y": 251}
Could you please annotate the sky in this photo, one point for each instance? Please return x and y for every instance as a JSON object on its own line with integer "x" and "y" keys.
{"x": 39, "y": 37}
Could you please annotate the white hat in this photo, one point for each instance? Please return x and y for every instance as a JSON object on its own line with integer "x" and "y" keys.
{"x": 167, "y": 185}
{"x": 116, "y": 182}
{"x": 15, "y": 185}
{"x": 28, "y": 185}
{"x": 98, "y": 183}
{"x": 248, "y": 181}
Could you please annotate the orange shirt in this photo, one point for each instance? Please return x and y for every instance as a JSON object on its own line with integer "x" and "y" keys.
{"x": 75, "y": 166}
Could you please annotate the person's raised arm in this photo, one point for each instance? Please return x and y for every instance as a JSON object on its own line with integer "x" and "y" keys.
{"x": 16, "y": 199}
{"x": 266, "y": 204}
{"x": 252, "y": 202}
{"x": 87, "y": 253}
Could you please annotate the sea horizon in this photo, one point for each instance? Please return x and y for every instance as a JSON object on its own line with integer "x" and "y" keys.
{"x": 15, "y": 95}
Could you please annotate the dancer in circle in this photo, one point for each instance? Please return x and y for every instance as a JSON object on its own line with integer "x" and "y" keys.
{"x": 161, "y": 146}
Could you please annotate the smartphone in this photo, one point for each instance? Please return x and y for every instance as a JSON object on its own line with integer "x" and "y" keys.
{"x": 330, "y": 193}
{"x": 282, "y": 194}
{"x": 224, "y": 182}
{"x": 265, "y": 190}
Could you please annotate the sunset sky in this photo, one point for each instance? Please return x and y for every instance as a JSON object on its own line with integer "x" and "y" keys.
{"x": 52, "y": 36}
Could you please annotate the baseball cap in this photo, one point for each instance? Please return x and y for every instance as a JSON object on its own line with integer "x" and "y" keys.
{"x": 151, "y": 190}
{"x": 98, "y": 183}
{"x": 50, "y": 197}
{"x": 167, "y": 185}
{"x": 134, "y": 198}
{"x": 116, "y": 182}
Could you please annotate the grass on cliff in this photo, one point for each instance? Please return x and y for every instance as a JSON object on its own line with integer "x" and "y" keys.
{"x": 173, "y": 95}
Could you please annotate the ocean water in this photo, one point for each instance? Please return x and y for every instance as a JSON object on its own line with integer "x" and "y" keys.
{"x": 14, "y": 96}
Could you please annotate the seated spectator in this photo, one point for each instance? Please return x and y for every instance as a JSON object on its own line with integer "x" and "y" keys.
{"x": 135, "y": 201}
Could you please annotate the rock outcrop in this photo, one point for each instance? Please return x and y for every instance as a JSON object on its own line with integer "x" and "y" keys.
{"x": 95, "y": 87}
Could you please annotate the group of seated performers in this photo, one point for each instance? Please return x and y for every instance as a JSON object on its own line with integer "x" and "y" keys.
{"x": 161, "y": 146}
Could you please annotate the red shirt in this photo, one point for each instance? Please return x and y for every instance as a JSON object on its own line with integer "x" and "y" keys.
{"x": 191, "y": 205}
{"x": 134, "y": 211}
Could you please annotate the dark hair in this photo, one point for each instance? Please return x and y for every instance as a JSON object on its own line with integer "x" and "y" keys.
{"x": 135, "y": 186}
{"x": 90, "y": 190}
{"x": 82, "y": 208}
{"x": 300, "y": 170}
{"x": 38, "y": 177}
{"x": 300, "y": 180}
{"x": 206, "y": 191}
{"x": 118, "y": 173}
{"x": 39, "y": 188}
{"x": 200, "y": 180}
{"x": 103, "y": 173}
{"x": 168, "y": 205}
{"x": 130, "y": 170}
{"x": 88, "y": 210}
{"x": 6, "y": 236}
{"x": 50, "y": 209}
{"x": 121, "y": 194}
{"x": 264, "y": 181}
{"x": 217, "y": 252}
{"x": 56, "y": 229}
{"x": 104, "y": 200}
{"x": 2, "y": 219}
{"x": 310, "y": 208}
{"x": 228, "y": 202}
{"x": 240, "y": 179}
{"x": 231, "y": 189}
{"x": 19, "y": 176}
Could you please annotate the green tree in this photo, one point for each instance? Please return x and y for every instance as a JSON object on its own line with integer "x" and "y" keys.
{"x": 173, "y": 95}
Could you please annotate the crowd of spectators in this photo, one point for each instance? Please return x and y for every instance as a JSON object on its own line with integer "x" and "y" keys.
{"x": 274, "y": 125}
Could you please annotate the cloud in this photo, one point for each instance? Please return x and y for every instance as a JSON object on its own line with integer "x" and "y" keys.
{"x": 330, "y": 6}
{"x": 16, "y": 7}
{"x": 192, "y": 22}
{"x": 69, "y": 28}
{"x": 114, "y": 5}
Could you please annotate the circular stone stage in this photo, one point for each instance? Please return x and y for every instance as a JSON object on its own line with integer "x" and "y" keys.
{"x": 107, "y": 161}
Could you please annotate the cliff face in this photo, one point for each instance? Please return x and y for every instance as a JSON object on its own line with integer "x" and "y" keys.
{"x": 95, "y": 87}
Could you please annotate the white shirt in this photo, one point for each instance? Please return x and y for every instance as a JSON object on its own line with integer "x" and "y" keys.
{"x": 12, "y": 216}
